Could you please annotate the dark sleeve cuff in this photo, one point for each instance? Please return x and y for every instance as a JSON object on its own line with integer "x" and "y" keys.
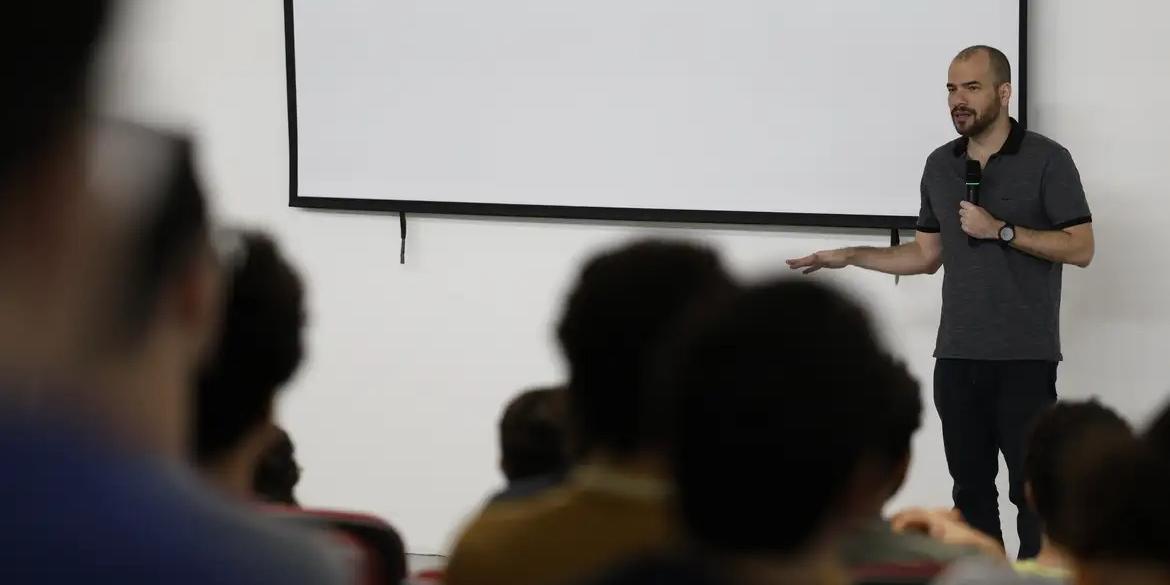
{"x": 1074, "y": 222}
{"x": 926, "y": 229}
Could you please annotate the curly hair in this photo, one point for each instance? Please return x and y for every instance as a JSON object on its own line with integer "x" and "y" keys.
{"x": 260, "y": 347}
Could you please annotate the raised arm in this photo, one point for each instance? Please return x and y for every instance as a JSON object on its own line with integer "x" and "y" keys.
{"x": 1070, "y": 241}
{"x": 1071, "y": 245}
{"x": 922, "y": 256}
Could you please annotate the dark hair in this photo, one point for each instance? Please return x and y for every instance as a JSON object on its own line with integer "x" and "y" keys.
{"x": 533, "y": 435}
{"x": 1060, "y": 434}
{"x": 174, "y": 231}
{"x": 1119, "y": 507}
{"x": 615, "y": 320}
{"x": 260, "y": 347}
{"x": 898, "y": 418}
{"x": 45, "y": 53}
{"x": 1001, "y": 68}
{"x": 277, "y": 472}
{"x": 777, "y": 398}
{"x": 1158, "y": 432}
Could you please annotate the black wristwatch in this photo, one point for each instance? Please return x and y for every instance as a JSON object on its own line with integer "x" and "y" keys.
{"x": 1007, "y": 233}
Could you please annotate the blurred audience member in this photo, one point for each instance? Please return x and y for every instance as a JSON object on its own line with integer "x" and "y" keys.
{"x": 168, "y": 310}
{"x": 278, "y": 472}
{"x": 57, "y": 233}
{"x": 778, "y": 400}
{"x": 615, "y": 502}
{"x": 108, "y": 297}
{"x": 1060, "y": 436}
{"x": 534, "y": 453}
{"x": 874, "y": 551}
{"x": 134, "y": 513}
{"x": 259, "y": 348}
{"x": 1121, "y": 513}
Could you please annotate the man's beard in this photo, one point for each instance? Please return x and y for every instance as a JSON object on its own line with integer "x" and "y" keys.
{"x": 978, "y": 121}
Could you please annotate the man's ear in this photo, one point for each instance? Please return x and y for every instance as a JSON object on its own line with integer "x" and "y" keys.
{"x": 1005, "y": 93}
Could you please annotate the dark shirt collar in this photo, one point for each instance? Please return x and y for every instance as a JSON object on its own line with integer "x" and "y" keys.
{"x": 1010, "y": 146}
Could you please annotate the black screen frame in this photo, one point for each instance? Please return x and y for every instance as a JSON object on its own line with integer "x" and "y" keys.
{"x": 830, "y": 220}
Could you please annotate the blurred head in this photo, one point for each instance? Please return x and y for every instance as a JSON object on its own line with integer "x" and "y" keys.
{"x": 1060, "y": 435}
{"x": 779, "y": 400}
{"x": 277, "y": 472}
{"x": 45, "y": 57}
{"x": 895, "y": 422}
{"x": 622, "y": 309}
{"x": 259, "y": 348}
{"x": 980, "y": 86}
{"x": 1119, "y": 509}
{"x": 533, "y": 435}
{"x": 166, "y": 310}
{"x": 55, "y": 230}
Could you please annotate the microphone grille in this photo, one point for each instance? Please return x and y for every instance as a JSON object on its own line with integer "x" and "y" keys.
{"x": 974, "y": 171}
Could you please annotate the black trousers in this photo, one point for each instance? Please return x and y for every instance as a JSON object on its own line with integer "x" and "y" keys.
{"x": 988, "y": 407}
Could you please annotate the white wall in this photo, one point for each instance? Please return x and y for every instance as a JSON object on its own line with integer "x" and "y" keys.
{"x": 395, "y": 409}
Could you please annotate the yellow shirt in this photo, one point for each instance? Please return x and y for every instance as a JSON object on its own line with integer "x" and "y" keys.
{"x": 599, "y": 517}
{"x": 1031, "y": 567}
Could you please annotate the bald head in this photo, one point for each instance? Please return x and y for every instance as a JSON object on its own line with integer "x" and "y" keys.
{"x": 1001, "y": 69}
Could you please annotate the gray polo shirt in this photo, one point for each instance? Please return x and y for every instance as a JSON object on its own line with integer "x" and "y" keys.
{"x": 1000, "y": 303}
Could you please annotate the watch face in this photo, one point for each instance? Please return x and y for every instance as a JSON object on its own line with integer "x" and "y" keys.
{"x": 1007, "y": 233}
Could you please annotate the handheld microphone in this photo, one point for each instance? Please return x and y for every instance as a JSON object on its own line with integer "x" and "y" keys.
{"x": 974, "y": 178}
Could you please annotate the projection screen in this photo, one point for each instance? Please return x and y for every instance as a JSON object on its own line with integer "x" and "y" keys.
{"x": 755, "y": 111}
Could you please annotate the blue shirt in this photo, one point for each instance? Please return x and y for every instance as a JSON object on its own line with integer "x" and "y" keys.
{"x": 74, "y": 511}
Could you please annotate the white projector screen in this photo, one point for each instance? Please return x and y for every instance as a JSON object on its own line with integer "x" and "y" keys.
{"x": 759, "y": 111}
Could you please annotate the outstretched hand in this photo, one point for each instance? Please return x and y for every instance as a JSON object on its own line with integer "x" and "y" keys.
{"x": 947, "y": 526}
{"x": 819, "y": 260}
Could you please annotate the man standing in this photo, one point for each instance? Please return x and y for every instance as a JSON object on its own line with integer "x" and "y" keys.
{"x": 999, "y": 337}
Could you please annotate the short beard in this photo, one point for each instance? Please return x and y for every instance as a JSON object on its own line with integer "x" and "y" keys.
{"x": 983, "y": 120}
